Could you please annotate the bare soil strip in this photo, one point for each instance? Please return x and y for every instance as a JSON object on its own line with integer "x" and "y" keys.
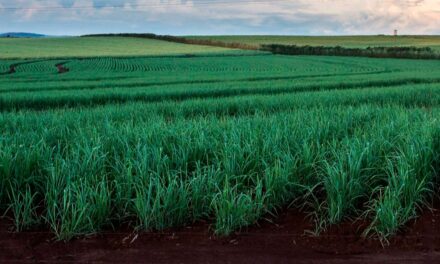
{"x": 11, "y": 69}
{"x": 284, "y": 241}
{"x": 61, "y": 68}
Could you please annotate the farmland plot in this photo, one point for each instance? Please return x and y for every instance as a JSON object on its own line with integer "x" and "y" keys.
{"x": 161, "y": 142}
{"x": 93, "y": 46}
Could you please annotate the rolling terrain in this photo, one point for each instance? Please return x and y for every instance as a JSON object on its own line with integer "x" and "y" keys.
{"x": 155, "y": 135}
{"x": 94, "y": 46}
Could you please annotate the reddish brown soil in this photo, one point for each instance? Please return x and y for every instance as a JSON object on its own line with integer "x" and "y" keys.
{"x": 282, "y": 242}
{"x": 11, "y": 69}
{"x": 61, "y": 68}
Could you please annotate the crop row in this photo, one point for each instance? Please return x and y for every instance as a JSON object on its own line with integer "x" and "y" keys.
{"x": 63, "y": 171}
{"x": 298, "y": 65}
{"x": 60, "y": 99}
{"x": 209, "y": 82}
{"x": 196, "y": 64}
{"x": 407, "y": 96}
{"x": 89, "y": 72}
{"x": 155, "y": 143}
{"x": 192, "y": 78}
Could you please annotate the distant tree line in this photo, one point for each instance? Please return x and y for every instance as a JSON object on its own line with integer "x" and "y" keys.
{"x": 183, "y": 40}
{"x": 375, "y": 52}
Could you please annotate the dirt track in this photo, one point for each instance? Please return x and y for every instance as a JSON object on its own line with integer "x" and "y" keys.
{"x": 282, "y": 242}
{"x": 11, "y": 69}
{"x": 61, "y": 68}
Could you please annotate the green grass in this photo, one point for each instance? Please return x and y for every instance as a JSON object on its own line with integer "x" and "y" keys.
{"x": 95, "y": 46}
{"x": 345, "y": 41}
{"x": 230, "y": 138}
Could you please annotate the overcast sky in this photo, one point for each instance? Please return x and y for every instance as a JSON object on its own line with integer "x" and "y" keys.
{"x": 216, "y": 17}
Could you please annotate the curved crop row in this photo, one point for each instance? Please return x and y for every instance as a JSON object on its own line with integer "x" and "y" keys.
{"x": 155, "y": 143}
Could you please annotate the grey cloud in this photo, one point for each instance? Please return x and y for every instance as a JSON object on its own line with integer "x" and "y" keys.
{"x": 192, "y": 17}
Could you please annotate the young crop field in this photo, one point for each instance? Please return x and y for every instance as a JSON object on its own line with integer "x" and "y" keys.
{"x": 93, "y": 46}
{"x": 228, "y": 137}
{"x": 344, "y": 41}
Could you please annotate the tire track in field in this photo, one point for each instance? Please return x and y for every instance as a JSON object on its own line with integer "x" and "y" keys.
{"x": 13, "y": 67}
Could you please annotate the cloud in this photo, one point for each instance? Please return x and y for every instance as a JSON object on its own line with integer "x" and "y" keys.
{"x": 227, "y": 16}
